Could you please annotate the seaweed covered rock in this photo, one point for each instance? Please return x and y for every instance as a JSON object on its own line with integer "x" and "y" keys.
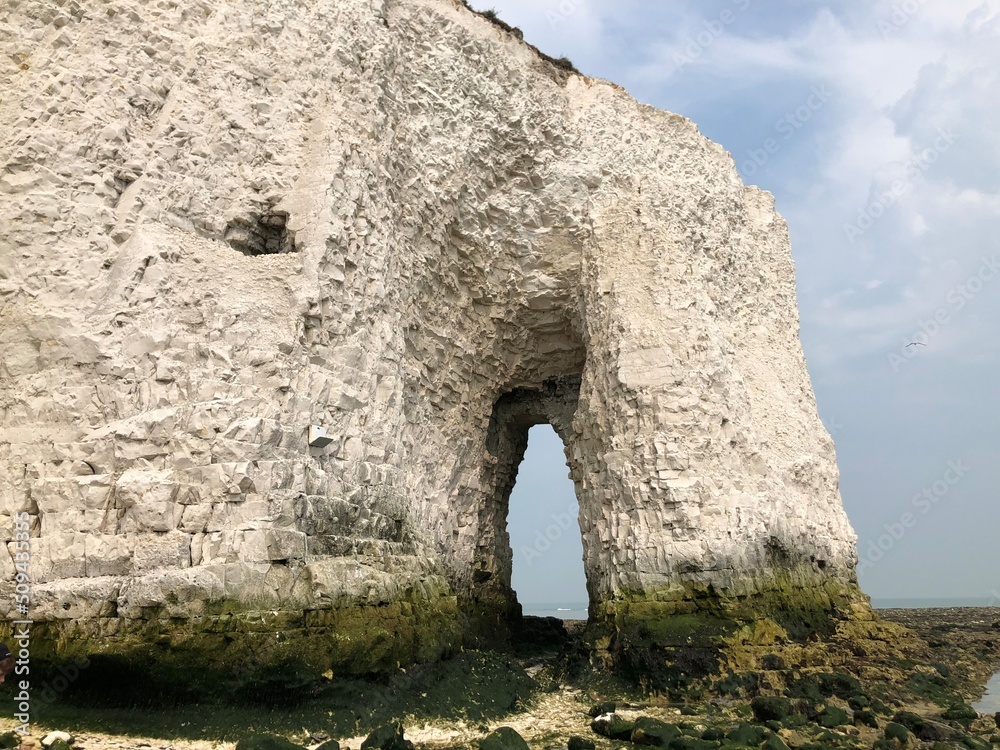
{"x": 832, "y": 717}
{"x": 387, "y": 737}
{"x": 613, "y": 727}
{"x": 865, "y": 718}
{"x": 896, "y": 733}
{"x": 648, "y": 731}
{"x": 774, "y": 742}
{"x": 962, "y": 713}
{"x": 503, "y": 738}
{"x": 925, "y": 729}
{"x": 747, "y": 735}
{"x": 770, "y": 707}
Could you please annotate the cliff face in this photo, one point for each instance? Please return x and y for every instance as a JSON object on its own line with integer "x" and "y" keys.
{"x": 226, "y": 222}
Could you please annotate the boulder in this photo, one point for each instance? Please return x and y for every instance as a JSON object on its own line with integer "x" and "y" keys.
{"x": 503, "y": 738}
{"x": 649, "y": 731}
{"x": 768, "y": 707}
{"x": 613, "y": 727}
{"x": 387, "y": 737}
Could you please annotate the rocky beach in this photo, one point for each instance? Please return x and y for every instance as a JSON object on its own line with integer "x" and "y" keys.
{"x": 548, "y": 694}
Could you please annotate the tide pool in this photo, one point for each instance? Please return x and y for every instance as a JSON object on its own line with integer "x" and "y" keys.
{"x": 990, "y": 702}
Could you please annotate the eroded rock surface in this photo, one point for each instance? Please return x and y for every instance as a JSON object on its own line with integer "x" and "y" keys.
{"x": 226, "y": 222}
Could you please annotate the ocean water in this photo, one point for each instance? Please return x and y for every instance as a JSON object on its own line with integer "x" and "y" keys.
{"x": 886, "y": 603}
{"x": 562, "y": 610}
{"x": 990, "y": 702}
{"x": 578, "y": 610}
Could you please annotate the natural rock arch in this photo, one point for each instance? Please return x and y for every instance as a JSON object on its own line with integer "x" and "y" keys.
{"x": 479, "y": 240}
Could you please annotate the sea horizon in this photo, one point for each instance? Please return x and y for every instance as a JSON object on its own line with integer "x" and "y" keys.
{"x": 933, "y": 602}
{"x": 578, "y": 610}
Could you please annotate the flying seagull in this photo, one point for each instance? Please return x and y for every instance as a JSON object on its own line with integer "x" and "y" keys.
{"x": 915, "y": 343}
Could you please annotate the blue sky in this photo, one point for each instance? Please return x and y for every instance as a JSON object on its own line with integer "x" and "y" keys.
{"x": 876, "y": 125}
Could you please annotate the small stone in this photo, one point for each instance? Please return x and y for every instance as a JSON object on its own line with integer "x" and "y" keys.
{"x": 774, "y": 742}
{"x": 9, "y": 740}
{"x": 580, "y": 743}
{"x": 329, "y": 745}
{"x": 49, "y": 739}
{"x": 503, "y": 738}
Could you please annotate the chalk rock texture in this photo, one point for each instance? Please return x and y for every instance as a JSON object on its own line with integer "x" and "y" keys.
{"x": 225, "y": 222}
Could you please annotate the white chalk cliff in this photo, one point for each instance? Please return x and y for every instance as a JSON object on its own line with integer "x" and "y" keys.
{"x": 225, "y": 222}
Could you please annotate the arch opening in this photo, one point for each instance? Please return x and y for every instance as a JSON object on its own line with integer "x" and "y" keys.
{"x": 547, "y": 574}
{"x": 515, "y": 413}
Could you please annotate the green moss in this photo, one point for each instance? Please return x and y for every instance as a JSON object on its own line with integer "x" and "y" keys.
{"x": 747, "y": 735}
{"x": 774, "y": 742}
{"x": 649, "y": 731}
{"x": 859, "y": 702}
{"x": 897, "y": 732}
{"x": 923, "y": 729}
{"x": 839, "y": 685}
{"x": 806, "y": 689}
{"x": 237, "y": 655}
{"x": 963, "y": 713}
{"x": 831, "y": 717}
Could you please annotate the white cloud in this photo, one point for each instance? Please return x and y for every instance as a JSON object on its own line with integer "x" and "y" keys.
{"x": 921, "y": 262}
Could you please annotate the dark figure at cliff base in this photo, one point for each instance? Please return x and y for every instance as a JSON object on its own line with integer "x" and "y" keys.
{"x": 6, "y": 662}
